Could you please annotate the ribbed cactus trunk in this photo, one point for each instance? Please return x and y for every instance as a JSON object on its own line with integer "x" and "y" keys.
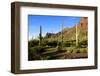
{"x": 62, "y": 36}
{"x": 40, "y": 36}
{"x": 57, "y": 39}
{"x": 32, "y": 38}
{"x": 77, "y": 36}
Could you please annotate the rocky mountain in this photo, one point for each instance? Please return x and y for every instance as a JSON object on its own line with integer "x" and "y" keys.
{"x": 70, "y": 33}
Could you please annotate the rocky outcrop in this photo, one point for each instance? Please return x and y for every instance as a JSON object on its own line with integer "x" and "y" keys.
{"x": 69, "y": 33}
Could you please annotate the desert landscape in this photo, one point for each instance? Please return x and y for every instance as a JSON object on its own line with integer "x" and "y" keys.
{"x": 67, "y": 43}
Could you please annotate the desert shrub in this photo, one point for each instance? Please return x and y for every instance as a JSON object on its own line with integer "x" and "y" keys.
{"x": 72, "y": 43}
{"x": 70, "y": 49}
{"x": 66, "y": 44}
{"x": 83, "y": 50}
{"x": 80, "y": 50}
{"x": 35, "y": 53}
{"x": 38, "y": 49}
{"x": 33, "y": 43}
{"x": 59, "y": 43}
{"x": 74, "y": 51}
{"x": 58, "y": 48}
{"x": 44, "y": 43}
{"x": 52, "y": 43}
{"x": 77, "y": 51}
{"x": 83, "y": 44}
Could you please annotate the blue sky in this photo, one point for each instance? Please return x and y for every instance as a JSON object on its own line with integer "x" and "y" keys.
{"x": 49, "y": 24}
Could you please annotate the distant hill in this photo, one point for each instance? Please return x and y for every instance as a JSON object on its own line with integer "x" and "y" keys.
{"x": 70, "y": 33}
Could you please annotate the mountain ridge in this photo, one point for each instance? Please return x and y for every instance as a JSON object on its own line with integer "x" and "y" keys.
{"x": 70, "y": 33}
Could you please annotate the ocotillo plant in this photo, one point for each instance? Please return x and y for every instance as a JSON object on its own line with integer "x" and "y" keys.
{"x": 40, "y": 35}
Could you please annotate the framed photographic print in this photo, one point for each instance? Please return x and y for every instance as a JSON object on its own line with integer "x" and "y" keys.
{"x": 52, "y": 37}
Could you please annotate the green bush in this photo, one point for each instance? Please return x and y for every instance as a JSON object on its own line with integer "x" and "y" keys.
{"x": 52, "y": 43}
{"x": 83, "y": 50}
{"x": 35, "y": 53}
{"x": 59, "y": 43}
{"x": 66, "y": 44}
{"x": 59, "y": 48}
{"x": 33, "y": 43}
{"x": 83, "y": 44}
{"x": 44, "y": 42}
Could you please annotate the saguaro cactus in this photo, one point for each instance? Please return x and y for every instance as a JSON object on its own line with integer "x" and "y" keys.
{"x": 40, "y": 35}
{"x": 32, "y": 38}
{"x": 77, "y": 34}
{"x": 62, "y": 35}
